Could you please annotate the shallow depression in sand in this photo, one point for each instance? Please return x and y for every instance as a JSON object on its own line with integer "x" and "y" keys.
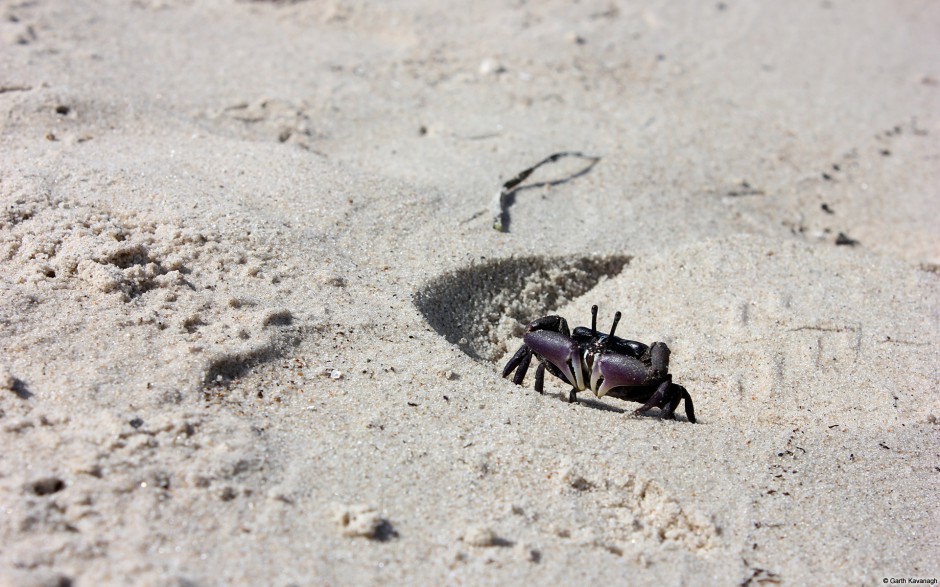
{"x": 479, "y": 307}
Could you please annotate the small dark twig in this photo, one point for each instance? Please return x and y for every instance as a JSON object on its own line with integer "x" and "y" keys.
{"x": 844, "y": 239}
{"x": 505, "y": 197}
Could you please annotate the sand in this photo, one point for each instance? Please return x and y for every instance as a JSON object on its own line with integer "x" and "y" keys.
{"x": 254, "y": 310}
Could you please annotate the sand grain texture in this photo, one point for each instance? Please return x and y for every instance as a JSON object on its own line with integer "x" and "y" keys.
{"x": 253, "y": 309}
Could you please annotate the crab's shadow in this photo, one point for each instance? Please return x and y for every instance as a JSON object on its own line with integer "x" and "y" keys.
{"x": 595, "y": 404}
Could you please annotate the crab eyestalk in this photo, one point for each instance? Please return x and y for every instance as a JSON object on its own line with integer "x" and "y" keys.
{"x": 613, "y": 328}
{"x": 604, "y": 341}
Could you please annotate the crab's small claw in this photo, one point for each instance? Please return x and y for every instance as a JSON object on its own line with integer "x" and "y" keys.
{"x": 559, "y": 350}
{"x": 659, "y": 358}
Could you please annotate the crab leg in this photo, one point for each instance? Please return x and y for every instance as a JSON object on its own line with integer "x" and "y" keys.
{"x": 516, "y": 359}
{"x": 540, "y": 378}
{"x": 523, "y": 367}
{"x": 689, "y": 409}
{"x": 656, "y": 400}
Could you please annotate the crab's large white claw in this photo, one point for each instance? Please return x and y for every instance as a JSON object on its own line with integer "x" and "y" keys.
{"x": 614, "y": 370}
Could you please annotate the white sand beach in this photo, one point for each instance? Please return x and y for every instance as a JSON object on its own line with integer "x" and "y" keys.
{"x": 254, "y": 309}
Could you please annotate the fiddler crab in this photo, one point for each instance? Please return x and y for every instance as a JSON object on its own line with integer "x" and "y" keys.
{"x": 604, "y": 363}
